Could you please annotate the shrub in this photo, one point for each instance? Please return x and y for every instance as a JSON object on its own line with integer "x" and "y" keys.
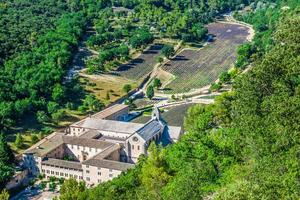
{"x": 215, "y": 87}
{"x": 168, "y": 51}
{"x": 34, "y": 138}
{"x": 150, "y": 92}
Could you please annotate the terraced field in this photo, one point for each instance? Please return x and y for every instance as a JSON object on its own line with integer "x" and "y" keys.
{"x": 138, "y": 68}
{"x": 198, "y": 68}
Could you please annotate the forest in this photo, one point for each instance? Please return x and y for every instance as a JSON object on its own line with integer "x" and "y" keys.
{"x": 38, "y": 40}
{"x": 246, "y": 145}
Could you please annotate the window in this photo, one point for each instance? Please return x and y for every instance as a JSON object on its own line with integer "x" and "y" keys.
{"x": 79, "y": 129}
{"x": 52, "y": 172}
{"x": 99, "y": 168}
{"x": 99, "y": 180}
{"x": 87, "y": 171}
{"x": 88, "y": 178}
{"x": 99, "y": 173}
{"x": 56, "y": 173}
{"x": 77, "y": 147}
{"x": 90, "y": 149}
{"x": 61, "y": 174}
{"x": 110, "y": 175}
{"x": 80, "y": 177}
{"x": 87, "y": 166}
{"x": 132, "y": 146}
{"x": 110, "y": 170}
{"x": 43, "y": 170}
{"x": 73, "y": 129}
{"x": 138, "y": 147}
{"x": 66, "y": 175}
{"x": 71, "y": 175}
{"x": 75, "y": 176}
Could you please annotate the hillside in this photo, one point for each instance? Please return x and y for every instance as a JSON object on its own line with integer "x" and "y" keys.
{"x": 245, "y": 146}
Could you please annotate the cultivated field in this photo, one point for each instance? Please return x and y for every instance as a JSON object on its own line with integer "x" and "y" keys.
{"x": 139, "y": 67}
{"x": 198, "y": 68}
{"x": 174, "y": 116}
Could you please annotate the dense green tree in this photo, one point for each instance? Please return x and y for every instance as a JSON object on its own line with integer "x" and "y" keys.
{"x": 156, "y": 83}
{"x": 42, "y": 117}
{"x": 71, "y": 189}
{"x": 224, "y": 77}
{"x": 6, "y": 154}
{"x": 150, "y": 92}
{"x": 7, "y": 160}
{"x": 168, "y": 51}
{"x": 92, "y": 103}
{"x": 34, "y": 138}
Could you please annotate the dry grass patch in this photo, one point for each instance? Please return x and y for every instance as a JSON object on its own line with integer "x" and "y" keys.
{"x": 101, "y": 85}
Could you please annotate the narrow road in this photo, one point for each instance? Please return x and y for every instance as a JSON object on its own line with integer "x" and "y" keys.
{"x": 82, "y": 54}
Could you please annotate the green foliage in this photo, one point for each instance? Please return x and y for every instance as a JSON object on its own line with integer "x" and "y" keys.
{"x": 225, "y": 77}
{"x": 150, "y": 92}
{"x": 4, "y": 195}
{"x": 126, "y": 88}
{"x": 141, "y": 37}
{"x": 156, "y": 83}
{"x": 42, "y": 116}
{"x": 168, "y": 51}
{"x": 71, "y": 189}
{"x": 7, "y": 160}
{"x": 215, "y": 87}
{"x": 19, "y": 141}
{"x": 91, "y": 103}
{"x": 34, "y": 138}
{"x": 153, "y": 173}
{"x": 58, "y": 115}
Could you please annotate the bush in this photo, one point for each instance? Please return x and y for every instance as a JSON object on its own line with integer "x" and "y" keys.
{"x": 215, "y": 87}
{"x": 34, "y": 138}
{"x": 225, "y": 77}
{"x": 157, "y": 83}
{"x": 126, "y": 88}
{"x": 19, "y": 141}
{"x": 150, "y": 92}
{"x": 168, "y": 51}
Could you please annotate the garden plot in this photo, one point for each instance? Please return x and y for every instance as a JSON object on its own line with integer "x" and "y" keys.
{"x": 197, "y": 68}
{"x": 139, "y": 67}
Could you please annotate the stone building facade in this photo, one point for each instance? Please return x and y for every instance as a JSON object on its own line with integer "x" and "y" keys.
{"x": 99, "y": 147}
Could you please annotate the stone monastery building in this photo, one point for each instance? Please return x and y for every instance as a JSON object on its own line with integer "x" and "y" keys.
{"x": 99, "y": 147}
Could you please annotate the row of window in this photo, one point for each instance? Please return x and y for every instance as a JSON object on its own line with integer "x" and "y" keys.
{"x": 78, "y": 148}
{"x": 61, "y": 174}
{"x": 138, "y": 147}
{"x": 99, "y": 173}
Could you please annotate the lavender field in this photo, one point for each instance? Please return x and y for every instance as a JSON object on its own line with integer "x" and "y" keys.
{"x": 198, "y": 68}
